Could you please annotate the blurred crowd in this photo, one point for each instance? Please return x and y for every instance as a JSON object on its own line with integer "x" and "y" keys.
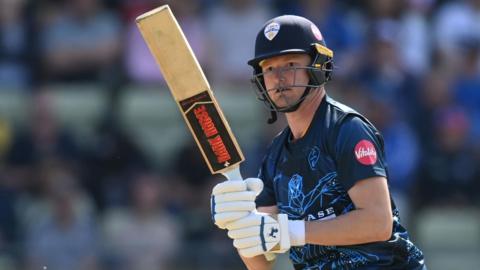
{"x": 411, "y": 66}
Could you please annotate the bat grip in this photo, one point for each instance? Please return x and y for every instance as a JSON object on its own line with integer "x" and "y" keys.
{"x": 233, "y": 174}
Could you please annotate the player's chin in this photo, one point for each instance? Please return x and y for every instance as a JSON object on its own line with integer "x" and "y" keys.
{"x": 284, "y": 99}
{"x": 283, "y": 102}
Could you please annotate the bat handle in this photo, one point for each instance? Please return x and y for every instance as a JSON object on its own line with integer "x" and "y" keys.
{"x": 233, "y": 174}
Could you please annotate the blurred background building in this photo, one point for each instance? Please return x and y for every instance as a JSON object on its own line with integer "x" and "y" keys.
{"x": 97, "y": 168}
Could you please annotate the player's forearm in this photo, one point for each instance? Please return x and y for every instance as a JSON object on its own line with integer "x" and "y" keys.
{"x": 356, "y": 227}
{"x": 257, "y": 263}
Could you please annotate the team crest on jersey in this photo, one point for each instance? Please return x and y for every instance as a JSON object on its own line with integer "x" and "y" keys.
{"x": 313, "y": 157}
{"x": 365, "y": 152}
{"x": 271, "y": 30}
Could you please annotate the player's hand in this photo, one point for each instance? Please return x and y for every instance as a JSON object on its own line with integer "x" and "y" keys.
{"x": 259, "y": 233}
{"x": 232, "y": 200}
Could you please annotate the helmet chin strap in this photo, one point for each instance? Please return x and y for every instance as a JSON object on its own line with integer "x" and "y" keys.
{"x": 273, "y": 113}
{"x": 273, "y": 117}
{"x": 297, "y": 104}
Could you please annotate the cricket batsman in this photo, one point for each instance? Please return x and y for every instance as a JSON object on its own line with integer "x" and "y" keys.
{"x": 322, "y": 192}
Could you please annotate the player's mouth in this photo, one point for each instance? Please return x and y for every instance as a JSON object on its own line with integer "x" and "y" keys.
{"x": 280, "y": 90}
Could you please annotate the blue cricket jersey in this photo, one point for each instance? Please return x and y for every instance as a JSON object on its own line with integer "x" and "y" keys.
{"x": 309, "y": 178}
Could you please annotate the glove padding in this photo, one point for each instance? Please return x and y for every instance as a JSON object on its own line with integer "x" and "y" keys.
{"x": 259, "y": 233}
{"x": 232, "y": 200}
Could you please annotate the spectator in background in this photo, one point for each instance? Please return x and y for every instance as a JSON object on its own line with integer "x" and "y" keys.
{"x": 467, "y": 85}
{"x": 231, "y": 26}
{"x": 42, "y": 138}
{"x": 190, "y": 188}
{"x": 350, "y": 91}
{"x": 401, "y": 149}
{"x": 449, "y": 174}
{"x": 342, "y": 29}
{"x": 379, "y": 10}
{"x": 414, "y": 39}
{"x": 466, "y": 90}
{"x": 434, "y": 94}
{"x": 110, "y": 162}
{"x": 139, "y": 63}
{"x": 31, "y": 148}
{"x": 63, "y": 236}
{"x": 382, "y": 73}
{"x": 408, "y": 29}
{"x": 455, "y": 22}
{"x": 198, "y": 173}
{"x": 16, "y": 44}
{"x": 144, "y": 236}
{"x": 81, "y": 42}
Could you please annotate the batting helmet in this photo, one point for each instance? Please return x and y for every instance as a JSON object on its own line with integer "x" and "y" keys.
{"x": 290, "y": 34}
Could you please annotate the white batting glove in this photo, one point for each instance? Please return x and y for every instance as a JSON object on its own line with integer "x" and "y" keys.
{"x": 260, "y": 233}
{"x": 232, "y": 200}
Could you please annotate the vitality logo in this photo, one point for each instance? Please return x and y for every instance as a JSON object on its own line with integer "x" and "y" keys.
{"x": 365, "y": 152}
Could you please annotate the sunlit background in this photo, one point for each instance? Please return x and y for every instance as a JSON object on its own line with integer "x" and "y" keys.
{"x": 98, "y": 170}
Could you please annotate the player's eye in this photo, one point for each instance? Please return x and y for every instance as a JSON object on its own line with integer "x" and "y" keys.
{"x": 268, "y": 69}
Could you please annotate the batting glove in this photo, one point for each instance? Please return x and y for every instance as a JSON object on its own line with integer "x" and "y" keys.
{"x": 260, "y": 233}
{"x": 232, "y": 200}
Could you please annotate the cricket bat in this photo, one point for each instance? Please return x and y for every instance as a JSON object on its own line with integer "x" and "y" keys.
{"x": 191, "y": 91}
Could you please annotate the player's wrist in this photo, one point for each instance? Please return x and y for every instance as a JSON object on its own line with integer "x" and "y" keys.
{"x": 296, "y": 231}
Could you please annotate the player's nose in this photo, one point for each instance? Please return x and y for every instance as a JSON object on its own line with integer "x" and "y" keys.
{"x": 279, "y": 78}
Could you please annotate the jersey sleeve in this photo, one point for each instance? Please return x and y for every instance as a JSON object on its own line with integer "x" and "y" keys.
{"x": 267, "y": 196}
{"x": 358, "y": 152}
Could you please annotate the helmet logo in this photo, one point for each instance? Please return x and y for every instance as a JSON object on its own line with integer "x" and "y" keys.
{"x": 316, "y": 32}
{"x": 271, "y": 30}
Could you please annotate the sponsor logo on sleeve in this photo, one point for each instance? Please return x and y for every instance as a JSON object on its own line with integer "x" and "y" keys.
{"x": 365, "y": 152}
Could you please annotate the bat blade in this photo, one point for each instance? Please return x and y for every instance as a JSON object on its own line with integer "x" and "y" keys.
{"x": 191, "y": 90}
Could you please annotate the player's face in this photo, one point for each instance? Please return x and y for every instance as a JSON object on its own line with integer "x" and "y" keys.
{"x": 285, "y": 77}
